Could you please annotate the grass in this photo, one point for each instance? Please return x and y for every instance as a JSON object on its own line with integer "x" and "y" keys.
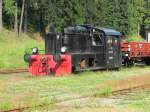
{"x": 4, "y": 106}
{"x": 13, "y": 48}
{"x": 19, "y": 90}
{"x": 107, "y": 91}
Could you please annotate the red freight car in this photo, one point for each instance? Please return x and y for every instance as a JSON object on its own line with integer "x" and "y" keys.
{"x": 135, "y": 51}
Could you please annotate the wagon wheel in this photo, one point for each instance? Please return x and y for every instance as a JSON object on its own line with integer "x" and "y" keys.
{"x": 130, "y": 63}
{"x": 147, "y": 62}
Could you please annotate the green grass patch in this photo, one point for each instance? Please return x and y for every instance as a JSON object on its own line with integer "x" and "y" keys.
{"x": 5, "y": 105}
{"x": 107, "y": 91}
{"x": 13, "y": 48}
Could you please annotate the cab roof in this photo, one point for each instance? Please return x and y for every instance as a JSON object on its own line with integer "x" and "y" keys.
{"x": 110, "y": 31}
{"x": 107, "y": 31}
{"x": 88, "y": 28}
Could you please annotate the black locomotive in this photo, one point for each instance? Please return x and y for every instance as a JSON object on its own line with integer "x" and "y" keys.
{"x": 90, "y": 47}
{"x": 79, "y": 48}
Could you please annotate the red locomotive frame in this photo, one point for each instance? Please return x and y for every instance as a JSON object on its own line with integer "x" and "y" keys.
{"x": 41, "y": 65}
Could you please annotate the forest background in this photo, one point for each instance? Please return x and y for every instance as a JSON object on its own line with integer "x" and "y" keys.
{"x": 127, "y": 16}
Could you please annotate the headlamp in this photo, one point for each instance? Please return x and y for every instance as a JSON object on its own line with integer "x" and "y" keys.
{"x": 63, "y": 49}
{"x": 35, "y": 50}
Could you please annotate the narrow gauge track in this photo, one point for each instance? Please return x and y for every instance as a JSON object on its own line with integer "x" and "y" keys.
{"x": 127, "y": 90}
{"x": 23, "y": 70}
{"x": 10, "y": 71}
{"x": 114, "y": 92}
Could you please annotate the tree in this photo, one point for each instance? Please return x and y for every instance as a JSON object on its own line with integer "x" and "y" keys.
{"x": 25, "y": 18}
{"x": 1, "y": 22}
{"x": 21, "y": 17}
{"x": 16, "y": 18}
{"x": 146, "y": 17}
{"x": 135, "y": 15}
{"x": 11, "y": 11}
{"x": 35, "y": 15}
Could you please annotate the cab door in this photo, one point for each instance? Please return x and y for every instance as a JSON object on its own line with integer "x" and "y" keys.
{"x": 113, "y": 54}
{"x": 97, "y": 48}
{"x": 53, "y": 43}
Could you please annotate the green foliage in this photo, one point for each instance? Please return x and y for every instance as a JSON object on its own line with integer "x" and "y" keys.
{"x": 9, "y": 7}
{"x": 124, "y": 15}
{"x": 135, "y": 14}
{"x": 134, "y": 38}
{"x": 127, "y": 16}
{"x": 146, "y": 18}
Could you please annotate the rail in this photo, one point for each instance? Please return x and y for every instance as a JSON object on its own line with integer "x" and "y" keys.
{"x": 10, "y": 71}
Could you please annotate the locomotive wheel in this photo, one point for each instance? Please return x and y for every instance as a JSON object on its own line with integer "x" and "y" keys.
{"x": 128, "y": 63}
{"x": 82, "y": 64}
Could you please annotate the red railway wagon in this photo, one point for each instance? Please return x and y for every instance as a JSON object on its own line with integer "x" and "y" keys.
{"x": 135, "y": 51}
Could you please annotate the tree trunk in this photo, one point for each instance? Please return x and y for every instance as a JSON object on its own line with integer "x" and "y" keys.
{"x": 25, "y": 18}
{"x": 21, "y": 18}
{"x": 16, "y": 18}
{"x": 138, "y": 29}
{"x": 1, "y": 15}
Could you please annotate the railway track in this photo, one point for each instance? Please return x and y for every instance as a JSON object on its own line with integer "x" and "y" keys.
{"x": 10, "y": 71}
{"x": 20, "y": 109}
{"x": 127, "y": 90}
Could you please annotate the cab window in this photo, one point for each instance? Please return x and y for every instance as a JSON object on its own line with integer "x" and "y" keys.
{"x": 97, "y": 40}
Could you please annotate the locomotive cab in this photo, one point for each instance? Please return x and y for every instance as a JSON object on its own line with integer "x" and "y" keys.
{"x": 113, "y": 48}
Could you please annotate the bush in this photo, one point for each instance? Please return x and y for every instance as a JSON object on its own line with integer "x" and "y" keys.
{"x": 134, "y": 39}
